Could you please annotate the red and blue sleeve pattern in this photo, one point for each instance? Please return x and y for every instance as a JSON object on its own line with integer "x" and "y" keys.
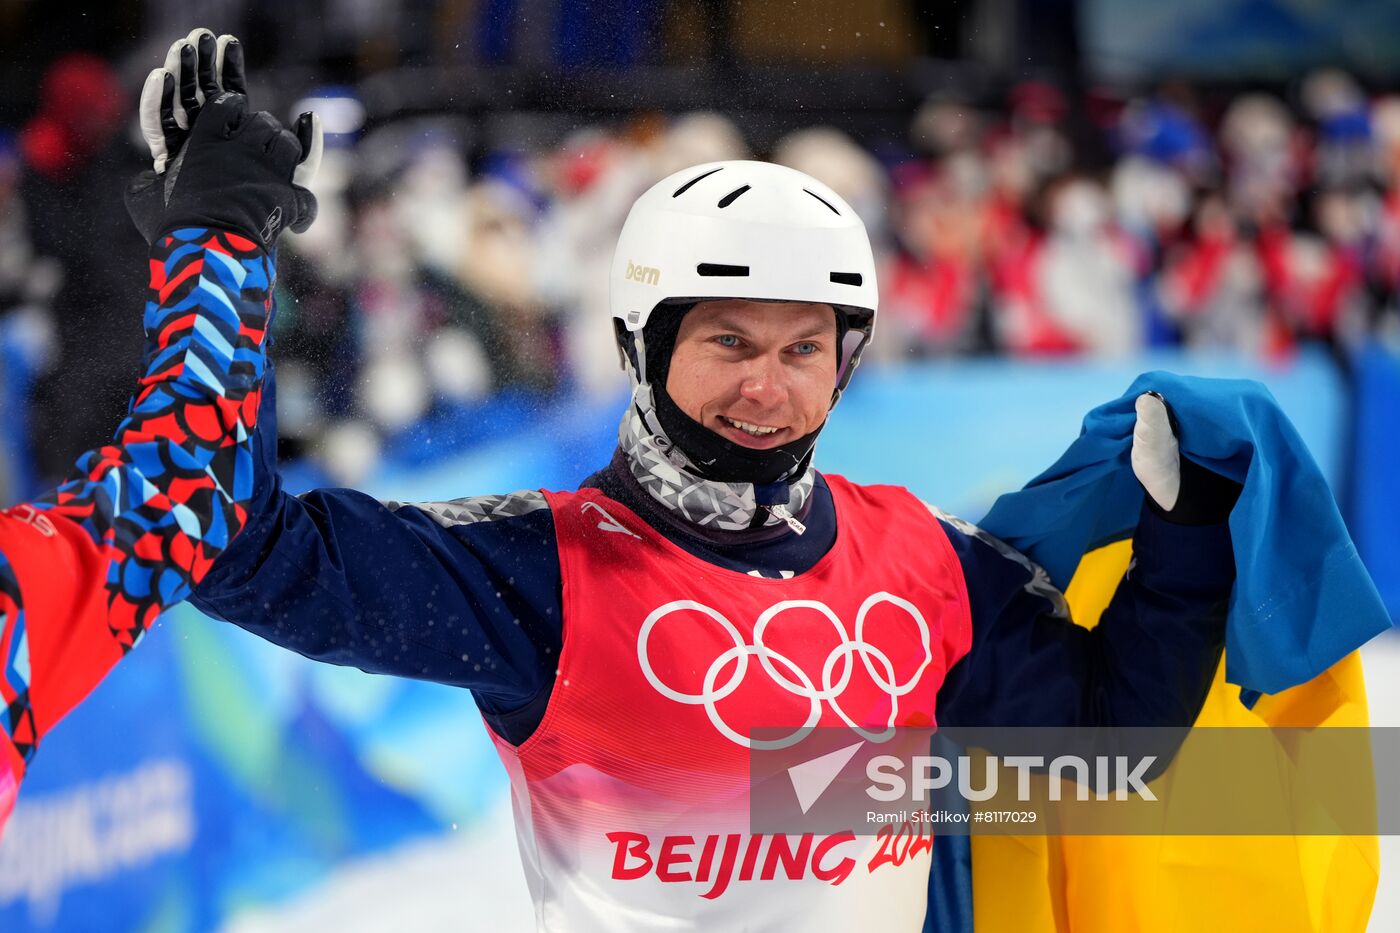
{"x": 87, "y": 568}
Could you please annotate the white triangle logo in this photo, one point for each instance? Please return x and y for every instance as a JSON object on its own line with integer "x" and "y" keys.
{"x": 608, "y": 523}
{"x": 810, "y": 779}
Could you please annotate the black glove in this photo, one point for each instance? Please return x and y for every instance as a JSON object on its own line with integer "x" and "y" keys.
{"x": 231, "y": 169}
{"x": 1206, "y": 497}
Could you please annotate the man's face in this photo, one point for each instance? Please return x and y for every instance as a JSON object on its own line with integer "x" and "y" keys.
{"x": 757, "y": 373}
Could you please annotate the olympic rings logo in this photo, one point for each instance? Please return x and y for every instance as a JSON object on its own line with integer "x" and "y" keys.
{"x": 786, "y": 673}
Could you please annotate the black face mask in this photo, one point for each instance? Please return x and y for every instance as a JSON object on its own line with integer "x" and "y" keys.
{"x": 723, "y": 460}
{"x": 714, "y": 457}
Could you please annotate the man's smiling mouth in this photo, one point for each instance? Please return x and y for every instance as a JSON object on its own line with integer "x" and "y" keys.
{"x": 755, "y": 430}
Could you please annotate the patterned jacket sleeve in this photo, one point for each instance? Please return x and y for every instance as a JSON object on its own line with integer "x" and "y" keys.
{"x": 87, "y": 568}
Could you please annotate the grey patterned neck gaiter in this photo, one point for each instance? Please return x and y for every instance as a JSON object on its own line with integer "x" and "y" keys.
{"x": 668, "y": 477}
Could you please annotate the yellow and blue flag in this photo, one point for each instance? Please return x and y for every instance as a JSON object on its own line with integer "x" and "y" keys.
{"x": 1301, "y": 606}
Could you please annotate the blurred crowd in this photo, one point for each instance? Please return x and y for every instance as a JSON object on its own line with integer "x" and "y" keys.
{"x": 1252, "y": 229}
{"x": 451, "y": 286}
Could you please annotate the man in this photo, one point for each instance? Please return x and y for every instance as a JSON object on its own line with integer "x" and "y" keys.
{"x": 87, "y": 568}
{"x": 624, "y": 641}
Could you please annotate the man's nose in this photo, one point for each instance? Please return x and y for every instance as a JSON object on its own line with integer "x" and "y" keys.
{"x": 765, "y": 383}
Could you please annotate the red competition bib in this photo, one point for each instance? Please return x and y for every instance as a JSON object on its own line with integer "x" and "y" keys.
{"x": 631, "y": 798}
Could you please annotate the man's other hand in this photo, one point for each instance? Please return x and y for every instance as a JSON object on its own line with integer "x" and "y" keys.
{"x": 1180, "y": 490}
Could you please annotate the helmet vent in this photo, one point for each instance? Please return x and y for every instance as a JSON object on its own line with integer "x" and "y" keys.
{"x": 718, "y": 268}
{"x": 824, "y": 201}
{"x": 686, "y": 187}
{"x": 732, "y": 196}
{"x": 846, "y": 278}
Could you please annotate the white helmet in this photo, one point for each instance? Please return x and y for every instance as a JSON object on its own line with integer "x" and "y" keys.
{"x": 742, "y": 229}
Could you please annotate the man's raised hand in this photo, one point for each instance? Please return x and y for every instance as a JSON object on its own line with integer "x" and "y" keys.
{"x": 214, "y": 164}
{"x": 197, "y": 67}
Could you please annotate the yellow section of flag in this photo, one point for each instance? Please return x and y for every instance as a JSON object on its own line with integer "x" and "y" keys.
{"x": 1169, "y": 884}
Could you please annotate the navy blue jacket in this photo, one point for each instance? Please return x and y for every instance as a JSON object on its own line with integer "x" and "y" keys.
{"x": 468, "y": 593}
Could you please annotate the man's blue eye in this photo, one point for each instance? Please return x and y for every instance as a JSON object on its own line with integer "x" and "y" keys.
{"x": 806, "y": 349}
{"x": 727, "y": 340}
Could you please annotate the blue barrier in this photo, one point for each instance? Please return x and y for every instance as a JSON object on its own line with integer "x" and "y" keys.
{"x": 1375, "y": 501}
{"x": 17, "y": 480}
{"x": 960, "y": 434}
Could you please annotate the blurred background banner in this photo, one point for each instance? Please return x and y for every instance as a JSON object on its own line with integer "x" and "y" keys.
{"x": 167, "y": 812}
{"x": 1061, "y": 194}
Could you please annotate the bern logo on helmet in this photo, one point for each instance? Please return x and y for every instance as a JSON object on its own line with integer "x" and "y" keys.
{"x": 644, "y": 274}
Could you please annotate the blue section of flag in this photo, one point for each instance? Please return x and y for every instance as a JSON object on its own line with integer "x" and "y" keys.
{"x": 1302, "y": 599}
